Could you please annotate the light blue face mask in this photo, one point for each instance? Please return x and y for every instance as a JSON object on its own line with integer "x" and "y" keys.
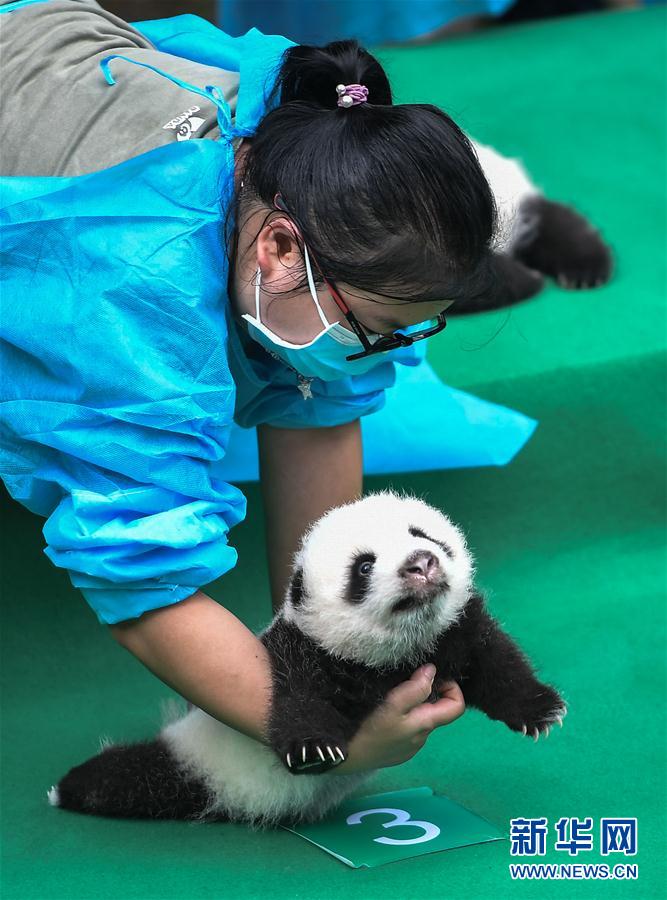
{"x": 325, "y": 355}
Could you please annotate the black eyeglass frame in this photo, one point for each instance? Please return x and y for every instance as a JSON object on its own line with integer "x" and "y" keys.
{"x": 387, "y": 341}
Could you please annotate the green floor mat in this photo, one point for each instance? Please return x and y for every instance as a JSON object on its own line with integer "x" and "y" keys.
{"x": 569, "y": 538}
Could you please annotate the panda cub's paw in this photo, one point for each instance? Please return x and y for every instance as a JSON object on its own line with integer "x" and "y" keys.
{"x": 562, "y": 244}
{"x": 314, "y": 755}
{"x": 539, "y": 713}
{"x": 544, "y": 726}
{"x": 548, "y": 708}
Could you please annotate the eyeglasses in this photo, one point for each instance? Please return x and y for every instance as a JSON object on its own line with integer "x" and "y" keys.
{"x": 386, "y": 341}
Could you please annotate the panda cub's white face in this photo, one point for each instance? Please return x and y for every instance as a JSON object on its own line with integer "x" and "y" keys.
{"x": 380, "y": 579}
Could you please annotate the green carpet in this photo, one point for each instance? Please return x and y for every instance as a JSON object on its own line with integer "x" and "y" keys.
{"x": 568, "y": 538}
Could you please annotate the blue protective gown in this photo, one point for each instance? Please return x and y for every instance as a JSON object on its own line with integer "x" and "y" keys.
{"x": 123, "y": 372}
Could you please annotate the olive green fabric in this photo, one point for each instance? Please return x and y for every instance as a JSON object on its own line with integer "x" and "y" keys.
{"x": 568, "y": 538}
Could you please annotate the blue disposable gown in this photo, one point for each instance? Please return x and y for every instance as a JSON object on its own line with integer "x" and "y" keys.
{"x": 123, "y": 374}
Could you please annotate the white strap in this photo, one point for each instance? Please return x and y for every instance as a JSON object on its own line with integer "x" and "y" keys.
{"x": 311, "y": 284}
{"x": 257, "y": 282}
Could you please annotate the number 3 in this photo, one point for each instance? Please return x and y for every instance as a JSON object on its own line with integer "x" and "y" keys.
{"x": 402, "y": 817}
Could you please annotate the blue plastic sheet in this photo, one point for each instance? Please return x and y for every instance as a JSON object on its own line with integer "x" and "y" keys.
{"x": 445, "y": 429}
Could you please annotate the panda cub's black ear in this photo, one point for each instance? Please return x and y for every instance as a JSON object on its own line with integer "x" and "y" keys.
{"x": 296, "y": 588}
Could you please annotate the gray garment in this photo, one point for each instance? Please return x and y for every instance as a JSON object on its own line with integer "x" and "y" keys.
{"x": 58, "y": 115}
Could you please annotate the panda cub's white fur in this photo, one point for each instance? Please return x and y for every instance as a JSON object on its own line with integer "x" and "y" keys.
{"x": 246, "y": 780}
{"x": 510, "y": 185}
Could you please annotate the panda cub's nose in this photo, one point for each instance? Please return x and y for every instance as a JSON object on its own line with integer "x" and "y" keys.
{"x": 420, "y": 566}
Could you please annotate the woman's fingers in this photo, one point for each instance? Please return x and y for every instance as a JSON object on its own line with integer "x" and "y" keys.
{"x": 409, "y": 694}
{"x": 399, "y": 727}
{"x": 448, "y": 708}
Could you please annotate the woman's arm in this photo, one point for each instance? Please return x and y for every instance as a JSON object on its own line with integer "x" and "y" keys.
{"x": 208, "y": 656}
{"x": 304, "y": 472}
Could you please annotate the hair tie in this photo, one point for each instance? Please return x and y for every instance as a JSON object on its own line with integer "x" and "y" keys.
{"x": 351, "y": 94}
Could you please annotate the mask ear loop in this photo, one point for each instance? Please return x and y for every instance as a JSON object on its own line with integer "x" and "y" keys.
{"x": 257, "y": 283}
{"x": 311, "y": 285}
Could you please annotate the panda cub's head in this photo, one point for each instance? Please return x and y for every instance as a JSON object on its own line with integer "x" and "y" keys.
{"x": 379, "y": 579}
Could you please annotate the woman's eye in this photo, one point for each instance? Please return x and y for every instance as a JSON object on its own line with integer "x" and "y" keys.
{"x": 365, "y": 568}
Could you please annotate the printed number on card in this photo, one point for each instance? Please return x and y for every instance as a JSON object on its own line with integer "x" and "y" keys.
{"x": 401, "y": 817}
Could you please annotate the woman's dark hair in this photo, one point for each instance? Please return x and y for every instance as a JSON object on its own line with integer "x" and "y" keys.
{"x": 392, "y": 199}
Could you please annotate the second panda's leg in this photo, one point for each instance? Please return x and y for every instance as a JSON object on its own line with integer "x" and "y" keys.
{"x": 562, "y": 244}
{"x": 133, "y": 781}
{"x": 512, "y": 282}
{"x": 535, "y": 237}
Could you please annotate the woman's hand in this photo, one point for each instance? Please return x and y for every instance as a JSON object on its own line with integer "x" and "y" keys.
{"x": 398, "y": 728}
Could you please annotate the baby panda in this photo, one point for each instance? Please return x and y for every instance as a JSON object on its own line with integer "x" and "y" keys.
{"x": 379, "y": 587}
{"x": 535, "y": 237}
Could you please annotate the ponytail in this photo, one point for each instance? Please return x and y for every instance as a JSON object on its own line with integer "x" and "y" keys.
{"x": 310, "y": 74}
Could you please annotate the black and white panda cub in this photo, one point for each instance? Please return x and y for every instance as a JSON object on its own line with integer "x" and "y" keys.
{"x": 379, "y": 587}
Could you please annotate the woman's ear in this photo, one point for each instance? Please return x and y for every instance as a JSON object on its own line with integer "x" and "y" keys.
{"x": 278, "y": 252}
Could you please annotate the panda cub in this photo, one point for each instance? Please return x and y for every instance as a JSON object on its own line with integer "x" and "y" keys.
{"x": 379, "y": 587}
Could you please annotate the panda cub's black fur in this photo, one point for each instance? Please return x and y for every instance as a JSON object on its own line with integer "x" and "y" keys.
{"x": 379, "y": 587}
{"x": 534, "y": 238}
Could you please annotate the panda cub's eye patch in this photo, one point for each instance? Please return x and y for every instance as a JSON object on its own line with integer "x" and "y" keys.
{"x": 417, "y": 532}
{"x": 296, "y": 588}
{"x": 359, "y": 574}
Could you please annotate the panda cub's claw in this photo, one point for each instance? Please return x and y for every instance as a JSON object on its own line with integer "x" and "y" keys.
{"x": 337, "y": 760}
{"x": 313, "y": 755}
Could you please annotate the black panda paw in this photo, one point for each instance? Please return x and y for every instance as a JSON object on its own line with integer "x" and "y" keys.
{"x": 562, "y": 244}
{"x": 314, "y": 755}
{"x": 545, "y": 709}
{"x": 537, "y": 714}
